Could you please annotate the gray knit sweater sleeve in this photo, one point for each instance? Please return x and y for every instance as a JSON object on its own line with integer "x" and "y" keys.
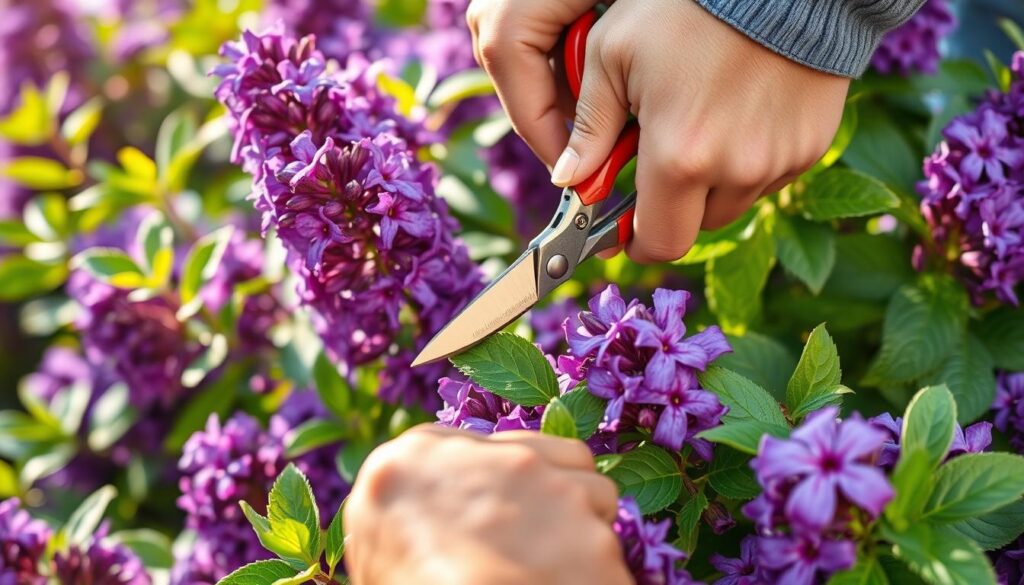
{"x": 837, "y": 36}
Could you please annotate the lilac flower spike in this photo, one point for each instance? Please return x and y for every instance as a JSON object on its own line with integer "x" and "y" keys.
{"x": 23, "y": 542}
{"x": 650, "y": 559}
{"x": 824, "y": 460}
{"x": 914, "y": 46}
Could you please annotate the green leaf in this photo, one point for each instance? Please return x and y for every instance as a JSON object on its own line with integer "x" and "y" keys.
{"x": 351, "y": 458}
{"x": 14, "y": 234}
{"x": 31, "y": 122}
{"x": 176, "y": 132}
{"x": 8, "y": 480}
{"x": 22, "y": 278}
{"x": 334, "y": 391}
{"x": 510, "y": 367}
{"x": 760, "y": 359}
{"x": 335, "y": 547}
{"x": 401, "y": 13}
{"x": 844, "y": 135}
{"x": 869, "y": 267}
{"x": 746, "y": 400}
{"x": 200, "y": 266}
{"x": 294, "y": 518}
{"x": 880, "y": 149}
{"x": 210, "y": 401}
{"x": 688, "y": 522}
{"x": 731, "y": 476}
{"x": 152, "y": 547}
{"x": 805, "y": 249}
{"x": 928, "y": 423}
{"x": 1013, "y": 31}
{"x": 648, "y": 474}
{"x": 303, "y": 577}
{"x": 557, "y": 420}
{"x": 816, "y": 380}
{"x": 1002, "y": 331}
{"x": 968, "y": 373}
{"x": 922, "y": 326}
{"x": 41, "y": 174}
{"x": 745, "y": 435}
{"x": 975, "y": 484}
{"x": 84, "y": 521}
{"x": 46, "y": 216}
{"x": 461, "y": 86}
{"x": 912, "y": 481}
{"x": 733, "y": 283}
{"x": 716, "y": 243}
{"x": 313, "y": 434}
{"x": 156, "y": 240}
{"x": 941, "y": 557}
{"x": 840, "y": 193}
{"x": 995, "y": 529}
{"x": 206, "y": 362}
{"x": 45, "y": 464}
{"x": 259, "y": 573}
{"x": 81, "y": 123}
{"x": 586, "y": 409}
{"x": 867, "y": 571}
{"x": 111, "y": 266}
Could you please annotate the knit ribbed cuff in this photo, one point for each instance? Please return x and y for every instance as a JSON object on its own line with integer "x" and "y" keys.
{"x": 836, "y": 36}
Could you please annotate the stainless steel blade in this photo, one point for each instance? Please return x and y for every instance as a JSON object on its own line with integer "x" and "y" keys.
{"x": 510, "y": 295}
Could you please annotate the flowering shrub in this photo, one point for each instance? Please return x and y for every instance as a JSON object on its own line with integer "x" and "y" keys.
{"x": 227, "y": 228}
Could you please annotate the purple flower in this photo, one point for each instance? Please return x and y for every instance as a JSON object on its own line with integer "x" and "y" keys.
{"x": 219, "y": 550}
{"x": 347, "y": 30}
{"x": 23, "y": 542}
{"x": 972, "y": 196}
{"x": 650, "y": 559}
{"x": 642, "y": 362}
{"x": 824, "y": 463}
{"x": 974, "y": 439}
{"x": 547, "y": 323}
{"x": 741, "y": 571}
{"x": 335, "y": 172}
{"x": 800, "y": 560}
{"x": 469, "y": 407}
{"x": 1009, "y": 407}
{"x": 1009, "y": 563}
{"x": 914, "y": 46}
{"x": 100, "y": 562}
{"x": 60, "y": 368}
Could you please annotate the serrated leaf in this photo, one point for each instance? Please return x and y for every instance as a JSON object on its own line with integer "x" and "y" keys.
{"x": 762, "y": 360}
{"x": 805, "y": 249}
{"x": 294, "y": 517}
{"x": 461, "y": 86}
{"x": 1002, "y": 331}
{"x": 510, "y": 367}
{"x": 313, "y": 434}
{"x": 557, "y": 421}
{"x": 688, "y": 522}
{"x": 745, "y": 435}
{"x": 995, "y": 529}
{"x": 335, "y": 546}
{"x": 941, "y": 557}
{"x": 200, "y": 266}
{"x": 841, "y": 193}
{"x": 716, "y": 243}
{"x": 111, "y": 266}
{"x": 734, "y": 282}
{"x": 867, "y": 571}
{"x": 303, "y": 577}
{"x": 81, "y": 123}
{"x": 84, "y": 521}
{"x": 816, "y": 380}
{"x": 586, "y": 409}
{"x": 648, "y": 474}
{"x": 968, "y": 373}
{"x": 731, "y": 476}
{"x": 975, "y": 484}
{"x": 41, "y": 174}
{"x": 745, "y": 399}
{"x": 922, "y": 326}
{"x": 928, "y": 423}
{"x": 334, "y": 391}
{"x": 259, "y": 573}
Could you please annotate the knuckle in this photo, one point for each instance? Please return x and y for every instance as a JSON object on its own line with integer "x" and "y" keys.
{"x": 694, "y": 165}
{"x": 521, "y": 459}
{"x": 658, "y": 251}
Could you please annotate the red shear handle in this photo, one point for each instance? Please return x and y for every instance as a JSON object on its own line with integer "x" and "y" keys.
{"x": 626, "y": 226}
{"x": 598, "y": 186}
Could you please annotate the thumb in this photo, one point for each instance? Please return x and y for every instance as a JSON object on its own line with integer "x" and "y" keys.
{"x": 601, "y": 113}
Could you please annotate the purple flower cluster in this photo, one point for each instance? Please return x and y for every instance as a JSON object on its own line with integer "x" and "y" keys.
{"x": 914, "y": 46}
{"x": 100, "y": 562}
{"x": 973, "y": 193}
{"x": 222, "y": 464}
{"x": 1009, "y": 407}
{"x": 641, "y": 361}
{"x": 974, "y": 439}
{"x": 650, "y": 559}
{"x": 23, "y": 542}
{"x": 814, "y": 483}
{"x": 348, "y": 28}
{"x": 469, "y": 407}
{"x": 335, "y": 173}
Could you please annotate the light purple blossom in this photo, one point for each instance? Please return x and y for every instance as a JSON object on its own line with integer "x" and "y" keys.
{"x": 739, "y": 571}
{"x": 974, "y": 439}
{"x": 650, "y": 559}
{"x": 469, "y": 407}
{"x": 546, "y": 323}
{"x": 914, "y": 46}
{"x": 1009, "y": 407}
{"x": 803, "y": 559}
{"x": 100, "y": 561}
{"x": 23, "y": 542}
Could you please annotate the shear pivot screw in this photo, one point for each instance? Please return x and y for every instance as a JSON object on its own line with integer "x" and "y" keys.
{"x": 581, "y": 221}
{"x": 557, "y": 266}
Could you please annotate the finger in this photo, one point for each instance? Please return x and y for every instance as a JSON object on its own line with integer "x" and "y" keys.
{"x": 532, "y": 105}
{"x": 671, "y": 192}
{"x": 726, "y": 204}
{"x": 601, "y": 113}
{"x": 610, "y": 252}
{"x": 565, "y": 453}
{"x": 778, "y": 185}
{"x": 602, "y": 493}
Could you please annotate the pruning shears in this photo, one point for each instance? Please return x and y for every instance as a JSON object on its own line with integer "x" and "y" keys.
{"x": 576, "y": 232}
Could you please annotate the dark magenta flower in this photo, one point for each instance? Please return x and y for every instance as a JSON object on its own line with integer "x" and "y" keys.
{"x": 914, "y": 46}
{"x": 100, "y": 562}
{"x": 650, "y": 559}
{"x": 742, "y": 570}
{"x": 803, "y": 560}
{"x": 824, "y": 463}
{"x": 469, "y": 407}
{"x": 23, "y": 542}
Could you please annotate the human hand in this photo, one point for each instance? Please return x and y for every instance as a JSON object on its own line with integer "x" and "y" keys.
{"x": 438, "y": 505}
{"x": 723, "y": 119}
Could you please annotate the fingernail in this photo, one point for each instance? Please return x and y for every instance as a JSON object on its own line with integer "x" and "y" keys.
{"x": 565, "y": 168}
